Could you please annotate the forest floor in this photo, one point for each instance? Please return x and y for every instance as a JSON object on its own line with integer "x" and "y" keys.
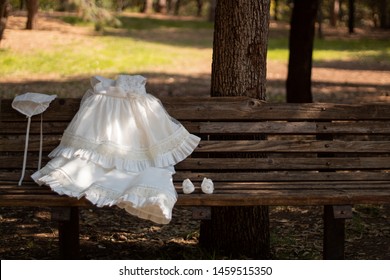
{"x": 109, "y": 233}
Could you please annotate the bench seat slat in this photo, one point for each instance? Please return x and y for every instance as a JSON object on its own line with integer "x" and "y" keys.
{"x": 265, "y": 196}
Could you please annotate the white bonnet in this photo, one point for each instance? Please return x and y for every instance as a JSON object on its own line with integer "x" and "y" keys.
{"x": 31, "y": 103}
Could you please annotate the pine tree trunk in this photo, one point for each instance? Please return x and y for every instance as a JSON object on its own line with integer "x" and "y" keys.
{"x": 334, "y": 10}
{"x": 32, "y": 10}
{"x": 302, "y": 29}
{"x": 240, "y": 48}
{"x": 276, "y": 10}
{"x": 384, "y": 14}
{"x": 213, "y": 3}
{"x": 351, "y": 16}
{"x": 148, "y": 8}
{"x": 239, "y": 69}
{"x": 199, "y": 5}
{"x": 162, "y": 6}
{"x": 177, "y": 7}
{"x": 3, "y": 16}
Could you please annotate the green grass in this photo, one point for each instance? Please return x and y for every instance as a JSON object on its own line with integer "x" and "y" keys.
{"x": 326, "y": 50}
{"x": 149, "y": 44}
{"x": 147, "y": 23}
{"x": 100, "y": 54}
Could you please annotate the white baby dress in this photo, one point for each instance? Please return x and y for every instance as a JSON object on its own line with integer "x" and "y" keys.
{"x": 120, "y": 149}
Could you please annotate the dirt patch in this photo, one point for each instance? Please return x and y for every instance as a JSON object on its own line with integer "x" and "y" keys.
{"x": 110, "y": 233}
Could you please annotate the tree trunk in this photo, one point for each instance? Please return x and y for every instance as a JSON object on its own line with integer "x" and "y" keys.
{"x": 351, "y": 16}
{"x": 384, "y": 17}
{"x": 213, "y": 3}
{"x": 240, "y": 48}
{"x": 3, "y": 16}
{"x": 239, "y": 69}
{"x": 177, "y": 7}
{"x": 319, "y": 20}
{"x": 162, "y": 6}
{"x": 276, "y": 10}
{"x": 199, "y": 5}
{"x": 148, "y": 8}
{"x": 334, "y": 10}
{"x": 32, "y": 10}
{"x": 302, "y": 29}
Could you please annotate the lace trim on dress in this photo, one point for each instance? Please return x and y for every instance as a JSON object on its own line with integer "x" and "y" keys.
{"x": 141, "y": 200}
{"x": 61, "y": 184}
{"x": 109, "y": 155}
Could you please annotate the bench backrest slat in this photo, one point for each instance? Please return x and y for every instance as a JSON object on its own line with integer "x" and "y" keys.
{"x": 224, "y": 108}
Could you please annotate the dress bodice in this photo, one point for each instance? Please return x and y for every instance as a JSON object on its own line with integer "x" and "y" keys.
{"x": 124, "y": 86}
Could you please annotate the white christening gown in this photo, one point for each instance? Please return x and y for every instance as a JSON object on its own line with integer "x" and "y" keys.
{"x": 120, "y": 149}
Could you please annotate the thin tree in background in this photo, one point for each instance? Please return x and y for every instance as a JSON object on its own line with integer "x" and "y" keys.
{"x": 199, "y": 6}
{"x": 213, "y": 4}
{"x": 239, "y": 69}
{"x": 334, "y": 10}
{"x": 32, "y": 10}
{"x": 148, "y": 6}
{"x": 384, "y": 14}
{"x": 176, "y": 6}
{"x": 351, "y": 16}
{"x": 276, "y": 10}
{"x": 301, "y": 41}
{"x": 4, "y": 6}
{"x": 162, "y": 6}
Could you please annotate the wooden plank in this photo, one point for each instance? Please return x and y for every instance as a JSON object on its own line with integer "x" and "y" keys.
{"x": 249, "y": 188}
{"x": 260, "y": 164}
{"x": 236, "y": 127}
{"x": 60, "y": 110}
{"x": 295, "y": 146}
{"x": 256, "y": 164}
{"x": 282, "y": 176}
{"x": 271, "y": 176}
{"x": 215, "y": 108}
{"x": 283, "y": 127}
{"x": 19, "y": 128}
{"x": 224, "y": 198}
{"x": 15, "y": 161}
{"x": 16, "y": 144}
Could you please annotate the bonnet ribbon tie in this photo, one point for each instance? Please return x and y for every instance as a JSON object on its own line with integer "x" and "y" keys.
{"x": 31, "y": 104}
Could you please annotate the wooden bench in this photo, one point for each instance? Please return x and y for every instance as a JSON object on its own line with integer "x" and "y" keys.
{"x": 312, "y": 154}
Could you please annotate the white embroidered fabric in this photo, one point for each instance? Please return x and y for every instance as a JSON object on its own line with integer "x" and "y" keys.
{"x": 120, "y": 149}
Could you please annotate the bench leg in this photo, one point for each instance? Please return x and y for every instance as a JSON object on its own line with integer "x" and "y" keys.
{"x": 68, "y": 231}
{"x": 334, "y": 231}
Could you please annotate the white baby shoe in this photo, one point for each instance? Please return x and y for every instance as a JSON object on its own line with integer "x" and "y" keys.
{"x": 207, "y": 186}
{"x": 188, "y": 186}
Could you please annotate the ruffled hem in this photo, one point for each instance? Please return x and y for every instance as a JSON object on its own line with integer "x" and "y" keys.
{"x": 143, "y": 201}
{"x": 108, "y": 156}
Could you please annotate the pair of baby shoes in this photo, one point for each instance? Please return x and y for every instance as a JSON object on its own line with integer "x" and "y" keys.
{"x": 207, "y": 186}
